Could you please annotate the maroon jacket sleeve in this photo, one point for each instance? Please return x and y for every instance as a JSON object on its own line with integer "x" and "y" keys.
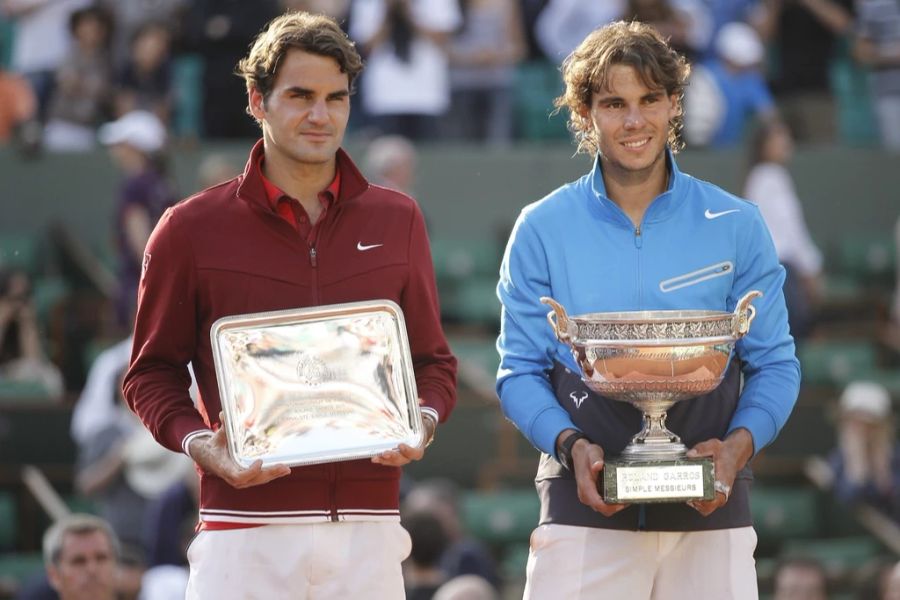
{"x": 434, "y": 365}
{"x": 165, "y": 335}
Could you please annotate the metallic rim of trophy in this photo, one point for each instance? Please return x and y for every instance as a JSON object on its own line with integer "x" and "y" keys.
{"x": 653, "y": 359}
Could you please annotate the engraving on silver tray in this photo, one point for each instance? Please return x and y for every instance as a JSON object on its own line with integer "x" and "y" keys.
{"x": 312, "y": 371}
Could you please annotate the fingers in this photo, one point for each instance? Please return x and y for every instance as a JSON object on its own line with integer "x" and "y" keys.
{"x": 588, "y": 468}
{"x": 402, "y": 455}
{"x": 255, "y": 474}
{"x": 706, "y": 508}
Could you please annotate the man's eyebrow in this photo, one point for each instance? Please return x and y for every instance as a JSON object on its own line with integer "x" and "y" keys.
{"x": 308, "y": 92}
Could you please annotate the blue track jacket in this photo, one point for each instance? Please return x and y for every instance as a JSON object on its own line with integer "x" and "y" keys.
{"x": 698, "y": 247}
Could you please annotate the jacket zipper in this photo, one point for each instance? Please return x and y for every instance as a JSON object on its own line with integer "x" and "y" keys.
{"x": 332, "y": 492}
{"x": 639, "y": 243}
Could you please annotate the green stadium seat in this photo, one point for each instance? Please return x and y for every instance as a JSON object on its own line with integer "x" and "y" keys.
{"x": 514, "y": 561}
{"x": 784, "y": 513}
{"x": 867, "y": 258}
{"x": 8, "y": 520}
{"x": 16, "y": 568}
{"x": 850, "y": 88}
{"x": 837, "y": 555}
{"x": 21, "y": 251}
{"x": 537, "y": 84}
{"x": 187, "y": 82}
{"x": 477, "y": 302}
{"x": 455, "y": 259}
{"x": 501, "y": 518}
{"x": 836, "y": 362}
{"x": 31, "y": 391}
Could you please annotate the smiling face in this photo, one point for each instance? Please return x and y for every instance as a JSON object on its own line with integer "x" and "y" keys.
{"x": 305, "y": 115}
{"x": 630, "y": 124}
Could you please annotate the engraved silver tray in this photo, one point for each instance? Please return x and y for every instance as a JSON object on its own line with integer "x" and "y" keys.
{"x": 315, "y": 385}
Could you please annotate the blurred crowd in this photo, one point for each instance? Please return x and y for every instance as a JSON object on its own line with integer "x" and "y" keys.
{"x": 132, "y": 76}
{"x": 443, "y": 69}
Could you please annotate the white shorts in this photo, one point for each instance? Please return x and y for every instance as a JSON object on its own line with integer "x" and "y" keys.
{"x": 318, "y": 561}
{"x": 574, "y": 563}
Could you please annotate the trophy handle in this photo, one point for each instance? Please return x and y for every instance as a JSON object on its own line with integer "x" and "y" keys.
{"x": 557, "y": 318}
{"x": 744, "y": 314}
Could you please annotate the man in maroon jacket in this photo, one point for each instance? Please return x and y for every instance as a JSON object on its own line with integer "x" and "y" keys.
{"x": 300, "y": 227}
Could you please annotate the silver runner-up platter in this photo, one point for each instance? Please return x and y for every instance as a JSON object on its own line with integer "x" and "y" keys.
{"x": 316, "y": 385}
{"x": 653, "y": 359}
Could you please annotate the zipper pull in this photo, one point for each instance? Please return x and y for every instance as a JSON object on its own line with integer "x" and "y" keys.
{"x": 638, "y": 240}
{"x": 312, "y": 257}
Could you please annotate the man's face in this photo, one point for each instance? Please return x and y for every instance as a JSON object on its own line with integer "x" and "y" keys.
{"x": 86, "y": 569}
{"x": 631, "y": 123}
{"x": 306, "y": 113}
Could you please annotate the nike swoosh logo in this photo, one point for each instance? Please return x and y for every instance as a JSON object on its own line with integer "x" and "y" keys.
{"x": 711, "y": 215}
{"x": 361, "y": 248}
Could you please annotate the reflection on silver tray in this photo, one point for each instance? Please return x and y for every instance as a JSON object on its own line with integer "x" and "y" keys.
{"x": 316, "y": 385}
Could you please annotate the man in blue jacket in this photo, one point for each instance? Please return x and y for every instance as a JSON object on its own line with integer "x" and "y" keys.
{"x": 637, "y": 234}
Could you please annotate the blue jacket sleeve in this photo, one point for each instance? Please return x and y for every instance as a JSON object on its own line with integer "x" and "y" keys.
{"x": 527, "y": 342}
{"x": 770, "y": 366}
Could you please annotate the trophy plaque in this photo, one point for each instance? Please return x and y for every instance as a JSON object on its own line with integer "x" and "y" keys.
{"x": 653, "y": 359}
{"x": 315, "y": 385}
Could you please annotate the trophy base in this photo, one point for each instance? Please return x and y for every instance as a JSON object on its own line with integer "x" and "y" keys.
{"x": 656, "y": 481}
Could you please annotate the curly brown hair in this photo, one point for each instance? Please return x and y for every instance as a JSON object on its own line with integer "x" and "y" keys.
{"x": 316, "y": 34}
{"x": 634, "y": 44}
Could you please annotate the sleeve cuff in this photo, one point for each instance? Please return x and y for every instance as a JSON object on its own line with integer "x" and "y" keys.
{"x": 186, "y": 442}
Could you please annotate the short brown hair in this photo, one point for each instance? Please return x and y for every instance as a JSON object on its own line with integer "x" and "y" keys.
{"x": 634, "y": 44}
{"x": 316, "y": 34}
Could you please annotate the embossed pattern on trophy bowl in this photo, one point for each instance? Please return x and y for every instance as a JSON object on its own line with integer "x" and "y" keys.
{"x": 668, "y": 330}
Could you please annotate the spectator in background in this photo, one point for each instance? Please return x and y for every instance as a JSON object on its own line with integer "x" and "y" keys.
{"x": 18, "y": 104}
{"x": 562, "y": 24}
{"x": 130, "y": 16}
{"x": 422, "y": 575}
{"x": 464, "y": 555}
{"x": 145, "y": 81}
{"x": 406, "y": 85}
{"x": 805, "y": 35}
{"x": 878, "y": 48}
{"x": 390, "y": 161}
{"x": 42, "y": 41}
{"x": 866, "y": 463}
{"x": 483, "y": 59}
{"x": 123, "y": 469}
{"x": 727, "y": 93}
{"x": 336, "y": 9}
{"x": 219, "y": 32}
{"x": 769, "y": 184}
{"x": 136, "y": 142}
{"x": 80, "y": 555}
{"x": 672, "y": 22}
{"x": 22, "y": 357}
{"x": 83, "y": 82}
{"x": 800, "y": 579}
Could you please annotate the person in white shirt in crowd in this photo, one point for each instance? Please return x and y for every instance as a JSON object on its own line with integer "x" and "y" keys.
{"x": 770, "y": 185}
{"x": 406, "y": 85}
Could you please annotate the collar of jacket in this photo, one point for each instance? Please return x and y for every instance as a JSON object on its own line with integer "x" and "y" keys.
{"x": 659, "y": 210}
{"x": 251, "y": 188}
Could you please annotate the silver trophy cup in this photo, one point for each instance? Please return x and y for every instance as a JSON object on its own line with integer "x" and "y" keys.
{"x": 653, "y": 359}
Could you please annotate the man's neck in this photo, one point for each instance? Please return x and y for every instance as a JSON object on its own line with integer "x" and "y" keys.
{"x": 635, "y": 191}
{"x": 302, "y": 181}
